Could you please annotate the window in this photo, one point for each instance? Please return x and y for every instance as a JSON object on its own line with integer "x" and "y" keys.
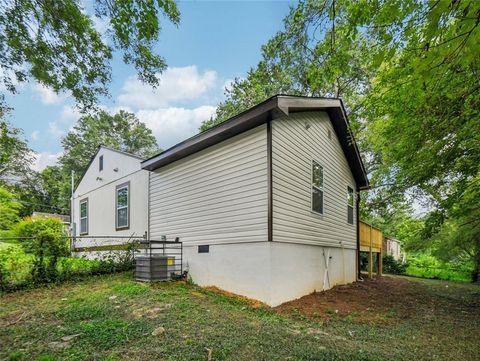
{"x": 84, "y": 216}
{"x": 100, "y": 163}
{"x": 123, "y": 205}
{"x": 350, "y": 203}
{"x": 317, "y": 187}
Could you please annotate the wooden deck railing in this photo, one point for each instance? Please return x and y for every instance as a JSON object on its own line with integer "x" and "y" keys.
{"x": 371, "y": 241}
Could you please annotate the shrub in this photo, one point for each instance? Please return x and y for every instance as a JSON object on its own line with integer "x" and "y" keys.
{"x": 9, "y": 209}
{"x": 392, "y": 266}
{"x": 32, "y": 227}
{"x": 46, "y": 241}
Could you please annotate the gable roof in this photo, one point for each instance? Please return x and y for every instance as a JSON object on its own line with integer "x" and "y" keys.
{"x": 96, "y": 153}
{"x": 272, "y": 108}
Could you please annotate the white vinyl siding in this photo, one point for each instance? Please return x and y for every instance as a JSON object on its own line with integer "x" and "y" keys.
{"x": 296, "y": 141}
{"x": 218, "y": 195}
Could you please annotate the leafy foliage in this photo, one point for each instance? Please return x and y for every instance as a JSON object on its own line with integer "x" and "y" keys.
{"x": 392, "y": 266}
{"x": 429, "y": 266}
{"x": 122, "y": 131}
{"x": 57, "y": 44}
{"x": 9, "y": 209}
{"x": 15, "y": 155}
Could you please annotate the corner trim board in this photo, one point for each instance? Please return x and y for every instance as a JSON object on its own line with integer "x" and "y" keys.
{"x": 270, "y": 181}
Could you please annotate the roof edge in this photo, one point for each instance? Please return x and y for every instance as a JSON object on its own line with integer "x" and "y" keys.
{"x": 272, "y": 108}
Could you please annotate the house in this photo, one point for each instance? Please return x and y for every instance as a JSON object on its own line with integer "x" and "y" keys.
{"x": 111, "y": 199}
{"x": 61, "y": 217}
{"x": 266, "y": 203}
{"x": 391, "y": 246}
{"x": 65, "y": 219}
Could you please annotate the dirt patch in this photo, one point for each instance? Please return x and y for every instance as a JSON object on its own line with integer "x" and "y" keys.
{"x": 380, "y": 300}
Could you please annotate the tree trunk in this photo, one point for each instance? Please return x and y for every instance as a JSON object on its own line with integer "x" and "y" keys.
{"x": 476, "y": 269}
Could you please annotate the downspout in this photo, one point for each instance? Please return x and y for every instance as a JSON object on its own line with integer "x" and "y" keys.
{"x": 357, "y": 211}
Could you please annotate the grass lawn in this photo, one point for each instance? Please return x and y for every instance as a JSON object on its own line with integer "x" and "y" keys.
{"x": 113, "y": 318}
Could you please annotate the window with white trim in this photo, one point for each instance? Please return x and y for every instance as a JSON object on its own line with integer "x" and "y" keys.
{"x": 84, "y": 216}
{"x": 317, "y": 187}
{"x": 123, "y": 204}
{"x": 350, "y": 204}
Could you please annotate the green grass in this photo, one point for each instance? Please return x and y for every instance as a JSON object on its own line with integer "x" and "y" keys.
{"x": 113, "y": 318}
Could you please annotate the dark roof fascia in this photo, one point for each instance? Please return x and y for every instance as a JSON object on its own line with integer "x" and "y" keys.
{"x": 272, "y": 108}
{"x": 95, "y": 154}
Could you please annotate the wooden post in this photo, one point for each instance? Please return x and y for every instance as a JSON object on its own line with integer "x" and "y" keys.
{"x": 380, "y": 262}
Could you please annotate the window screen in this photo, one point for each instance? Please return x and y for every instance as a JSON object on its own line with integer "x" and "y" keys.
{"x": 317, "y": 187}
{"x": 100, "y": 163}
{"x": 350, "y": 204}
{"x": 122, "y": 206}
{"x": 84, "y": 217}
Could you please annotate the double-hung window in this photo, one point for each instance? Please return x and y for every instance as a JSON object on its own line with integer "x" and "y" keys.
{"x": 350, "y": 204}
{"x": 122, "y": 204}
{"x": 84, "y": 216}
{"x": 317, "y": 188}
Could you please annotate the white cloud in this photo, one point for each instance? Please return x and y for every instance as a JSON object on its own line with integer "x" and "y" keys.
{"x": 116, "y": 109}
{"x": 45, "y": 159}
{"x": 172, "y": 125}
{"x": 69, "y": 113}
{"x": 35, "y": 135}
{"x": 176, "y": 85}
{"x": 54, "y": 130}
{"x": 47, "y": 95}
{"x": 227, "y": 86}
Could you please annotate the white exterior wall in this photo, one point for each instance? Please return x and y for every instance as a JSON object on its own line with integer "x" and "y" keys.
{"x": 218, "y": 195}
{"x": 271, "y": 272}
{"x": 294, "y": 147}
{"x": 101, "y": 195}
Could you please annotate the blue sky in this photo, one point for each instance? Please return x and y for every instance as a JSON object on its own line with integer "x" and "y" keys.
{"x": 215, "y": 42}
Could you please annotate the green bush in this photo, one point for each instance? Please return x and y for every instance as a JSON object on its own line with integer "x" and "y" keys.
{"x": 427, "y": 266}
{"x": 392, "y": 266}
{"x": 31, "y": 227}
{"x": 20, "y": 270}
{"x": 46, "y": 240}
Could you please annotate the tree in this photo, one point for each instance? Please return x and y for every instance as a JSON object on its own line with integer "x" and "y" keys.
{"x": 57, "y": 44}
{"x": 15, "y": 155}
{"x": 9, "y": 210}
{"x": 122, "y": 131}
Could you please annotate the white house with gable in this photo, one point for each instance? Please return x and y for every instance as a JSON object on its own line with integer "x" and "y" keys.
{"x": 111, "y": 198}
